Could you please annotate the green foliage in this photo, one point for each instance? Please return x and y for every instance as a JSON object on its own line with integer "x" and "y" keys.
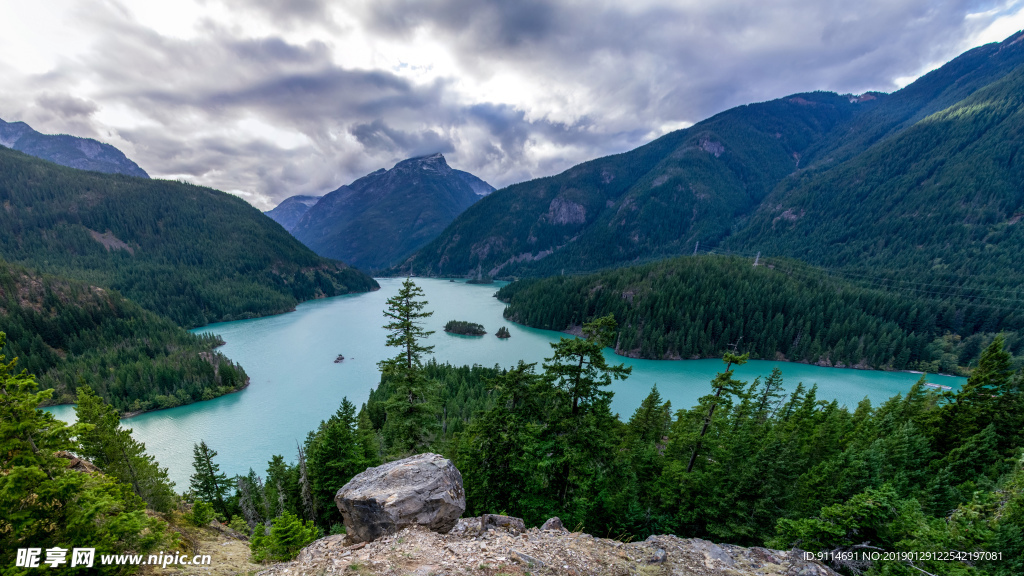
{"x": 192, "y": 254}
{"x": 503, "y": 332}
{"x": 335, "y": 452}
{"x": 657, "y": 200}
{"x": 112, "y": 448}
{"x": 411, "y": 409}
{"x": 201, "y": 513}
{"x": 933, "y": 208}
{"x": 70, "y": 334}
{"x": 47, "y": 505}
{"x": 207, "y": 482}
{"x": 694, "y": 307}
{"x": 287, "y": 536}
{"x": 465, "y": 328}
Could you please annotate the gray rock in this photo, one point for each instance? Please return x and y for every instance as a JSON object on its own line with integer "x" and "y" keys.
{"x": 424, "y": 490}
{"x": 554, "y": 523}
{"x": 659, "y": 556}
{"x": 528, "y": 560}
{"x": 510, "y": 523}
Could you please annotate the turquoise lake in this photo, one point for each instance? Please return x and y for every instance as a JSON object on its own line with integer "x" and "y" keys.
{"x": 295, "y": 383}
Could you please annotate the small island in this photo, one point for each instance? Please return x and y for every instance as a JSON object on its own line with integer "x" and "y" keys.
{"x": 502, "y": 333}
{"x": 339, "y": 359}
{"x": 464, "y": 328}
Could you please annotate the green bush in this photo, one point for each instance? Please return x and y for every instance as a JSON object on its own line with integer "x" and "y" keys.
{"x": 201, "y": 513}
{"x": 287, "y": 536}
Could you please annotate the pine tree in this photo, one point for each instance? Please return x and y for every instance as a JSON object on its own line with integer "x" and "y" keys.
{"x": 411, "y": 410}
{"x": 333, "y": 455}
{"x": 580, "y": 425}
{"x": 496, "y": 452}
{"x": 113, "y": 450}
{"x": 722, "y": 382}
{"x": 44, "y": 504}
{"x": 208, "y": 483}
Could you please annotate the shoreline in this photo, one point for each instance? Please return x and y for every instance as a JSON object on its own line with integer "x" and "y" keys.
{"x": 577, "y": 331}
{"x": 133, "y": 414}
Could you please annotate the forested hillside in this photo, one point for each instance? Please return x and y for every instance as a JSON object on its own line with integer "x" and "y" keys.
{"x": 941, "y": 201}
{"x": 696, "y": 307}
{"x": 70, "y": 334}
{"x": 193, "y": 254}
{"x": 819, "y": 175}
{"x": 660, "y": 199}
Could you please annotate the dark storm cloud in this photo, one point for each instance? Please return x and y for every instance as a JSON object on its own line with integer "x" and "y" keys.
{"x": 377, "y": 135}
{"x": 269, "y": 117}
{"x": 694, "y": 58}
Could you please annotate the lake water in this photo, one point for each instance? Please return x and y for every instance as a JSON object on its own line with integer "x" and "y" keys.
{"x": 295, "y": 383}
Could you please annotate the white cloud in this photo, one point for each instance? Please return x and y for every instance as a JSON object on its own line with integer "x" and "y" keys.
{"x": 269, "y": 98}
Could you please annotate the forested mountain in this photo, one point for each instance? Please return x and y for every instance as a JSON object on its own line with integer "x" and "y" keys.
{"x": 384, "y": 216}
{"x": 941, "y": 200}
{"x": 193, "y": 254}
{"x": 70, "y": 334}
{"x": 288, "y": 212}
{"x": 704, "y": 183}
{"x": 687, "y": 186}
{"x": 71, "y": 151}
{"x": 696, "y": 307}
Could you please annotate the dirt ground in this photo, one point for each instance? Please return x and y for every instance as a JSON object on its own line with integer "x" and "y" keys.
{"x": 419, "y": 552}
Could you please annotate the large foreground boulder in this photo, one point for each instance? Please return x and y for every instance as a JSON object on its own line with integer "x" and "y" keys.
{"x": 424, "y": 490}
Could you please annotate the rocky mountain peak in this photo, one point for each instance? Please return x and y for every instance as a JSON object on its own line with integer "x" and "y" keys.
{"x": 70, "y": 151}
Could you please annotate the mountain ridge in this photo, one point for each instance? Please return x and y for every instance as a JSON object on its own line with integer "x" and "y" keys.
{"x": 388, "y": 214}
{"x": 67, "y": 150}
{"x": 695, "y": 188}
{"x": 193, "y": 254}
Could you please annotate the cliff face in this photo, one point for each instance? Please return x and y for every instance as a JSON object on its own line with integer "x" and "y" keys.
{"x": 464, "y": 551}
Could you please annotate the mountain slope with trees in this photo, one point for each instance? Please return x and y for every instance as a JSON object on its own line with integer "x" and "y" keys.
{"x": 193, "y": 254}
{"x": 696, "y": 307}
{"x": 731, "y": 178}
{"x": 942, "y": 200}
{"x": 70, "y": 335}
{"x": 384, "y": 216}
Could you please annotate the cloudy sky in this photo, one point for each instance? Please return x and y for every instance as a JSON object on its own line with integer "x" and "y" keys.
{"x": 270, "y": 98}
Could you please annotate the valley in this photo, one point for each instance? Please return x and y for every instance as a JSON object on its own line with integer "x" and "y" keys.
{"x": 796, "y": 323}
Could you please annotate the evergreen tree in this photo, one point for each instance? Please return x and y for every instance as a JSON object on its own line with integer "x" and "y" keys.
{"x": 496, "y": 453}
{"x": 43, "y": 503}
{"x": 411, "y": 410}
{"x": 333, "y": 455}
{"x": 208, "y": 482}
{"x": 580, "y": 427}
{"x": 113, "y": 450}
{"x": 722, "y": 382}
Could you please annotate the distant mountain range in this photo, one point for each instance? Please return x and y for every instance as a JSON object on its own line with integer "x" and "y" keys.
{"x": 926, "y": 180}
{"x": 291, "y": 209}
{"x": 384, "y": 216}
{"x": 70, "y": 151}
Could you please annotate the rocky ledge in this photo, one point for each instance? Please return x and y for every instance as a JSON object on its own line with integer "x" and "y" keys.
{"x": 505, "y": 550}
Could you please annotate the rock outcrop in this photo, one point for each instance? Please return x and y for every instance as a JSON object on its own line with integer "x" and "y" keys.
{"x": 423, "y": 490}
{"x": 465, "y": 550}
